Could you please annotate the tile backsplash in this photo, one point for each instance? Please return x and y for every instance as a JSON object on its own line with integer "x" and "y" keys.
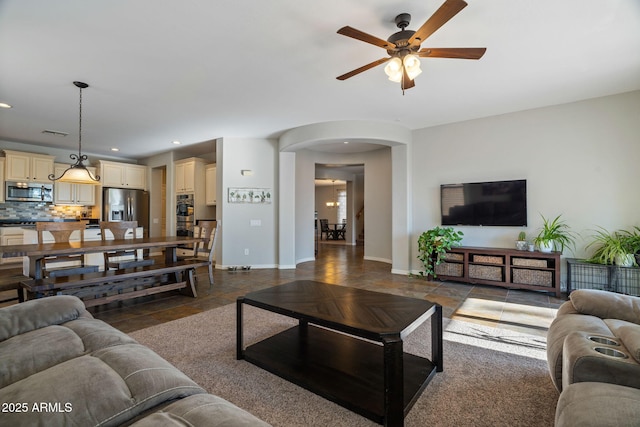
{"x": 38, "y": 211}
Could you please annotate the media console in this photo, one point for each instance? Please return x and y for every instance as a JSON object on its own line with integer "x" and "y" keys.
{"x": 508, "y": 268}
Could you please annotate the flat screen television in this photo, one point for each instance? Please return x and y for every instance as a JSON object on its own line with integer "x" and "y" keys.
{"x": 498, "y": 203}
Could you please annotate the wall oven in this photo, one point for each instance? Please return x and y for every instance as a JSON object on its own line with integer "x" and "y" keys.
{"x": 28, "y": 192}
{"x": 184, "y": 215}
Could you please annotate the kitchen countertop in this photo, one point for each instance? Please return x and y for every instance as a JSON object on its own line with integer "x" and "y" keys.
{"x": 29, "y": 224}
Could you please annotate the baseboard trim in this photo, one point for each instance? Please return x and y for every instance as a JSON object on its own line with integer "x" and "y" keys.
{"x": 371, "y": 258}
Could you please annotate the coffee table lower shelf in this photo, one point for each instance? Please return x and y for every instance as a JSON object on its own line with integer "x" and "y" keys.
{"x": 338, "y": 367}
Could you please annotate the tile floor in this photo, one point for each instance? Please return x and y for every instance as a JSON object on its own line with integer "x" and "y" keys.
{"x": 525, "y": 311}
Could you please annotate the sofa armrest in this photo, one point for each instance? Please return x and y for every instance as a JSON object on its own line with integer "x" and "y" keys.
{"x": 566, "y": 308}
{"x": 606, "y": 305}
{"x": 39, "y": 313}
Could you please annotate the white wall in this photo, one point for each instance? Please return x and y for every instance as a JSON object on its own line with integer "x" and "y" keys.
{"x": 378, "y": 206}
{"x": 261, "y": 157}
{"x": 580, "y": 160}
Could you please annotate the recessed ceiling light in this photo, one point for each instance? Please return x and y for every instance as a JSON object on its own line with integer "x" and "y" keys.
{"x": 4, "y": 105}
{"x": 346, "y": 142}
{"x": 176, "y": 142}
{"x": 115, "y": 149}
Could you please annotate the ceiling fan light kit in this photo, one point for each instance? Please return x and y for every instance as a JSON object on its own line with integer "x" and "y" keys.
{"x": 403, "y": 47}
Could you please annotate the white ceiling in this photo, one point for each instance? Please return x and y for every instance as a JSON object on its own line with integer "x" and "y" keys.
{"x": 197, "y": 70}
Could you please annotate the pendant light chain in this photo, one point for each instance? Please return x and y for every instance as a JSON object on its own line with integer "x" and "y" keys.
{"x": 80, "y": 127}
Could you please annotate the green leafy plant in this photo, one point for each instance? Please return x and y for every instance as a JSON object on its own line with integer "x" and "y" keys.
{"x": 617, "y": 247}
{"x": 522, "y": 236}
{"x": 555, "y": 232}
{"x": 634, "y": 240}
{"x": 433, "y": 245}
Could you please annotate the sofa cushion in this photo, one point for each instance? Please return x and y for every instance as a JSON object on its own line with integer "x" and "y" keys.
{"x": 606, "y": 305}
{"x": 105, "y": 388}
{"x": 35, "y": 314}
{"x": 598, "y": 405}
{"x": 629, "y": 334}
{"x": 25, "y": 354}
{"x": 96, "y": 334}
{"x": 200, "y": 410}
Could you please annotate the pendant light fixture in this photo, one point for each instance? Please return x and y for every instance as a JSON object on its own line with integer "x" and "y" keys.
{"x": 78, "y": 173}
{"x": 333, "y": 202}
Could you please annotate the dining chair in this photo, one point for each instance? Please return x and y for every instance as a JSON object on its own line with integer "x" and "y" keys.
{"x": 127, "y": 258}
{"x": 324, "y": 228}
{"x": 340, "y": 232}
{"x": 207, "y": 230}
{"x": 59, "y": 266}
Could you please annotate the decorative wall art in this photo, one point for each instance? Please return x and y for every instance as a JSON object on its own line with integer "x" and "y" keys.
{"x": 249, "y": 195}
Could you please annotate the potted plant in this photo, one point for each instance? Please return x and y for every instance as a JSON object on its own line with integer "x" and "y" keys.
{"x": 521, "y": 243}
{"x": 554, "y": 234}
{"x": 634, "y": 243}
{"x": 616, "y": 248}
{"x": 433, "y": 245}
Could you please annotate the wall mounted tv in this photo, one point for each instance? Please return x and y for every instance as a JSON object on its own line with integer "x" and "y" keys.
{"x": 501, "y": 203}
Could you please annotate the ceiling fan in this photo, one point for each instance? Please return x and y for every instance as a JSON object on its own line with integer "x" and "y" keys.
{"x": 404, "y": 49}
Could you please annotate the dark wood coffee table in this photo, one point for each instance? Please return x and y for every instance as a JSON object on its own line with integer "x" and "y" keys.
{"x": 365, "y": 371}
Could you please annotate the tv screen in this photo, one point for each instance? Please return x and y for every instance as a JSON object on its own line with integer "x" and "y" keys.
{"x": 502, "y": 203}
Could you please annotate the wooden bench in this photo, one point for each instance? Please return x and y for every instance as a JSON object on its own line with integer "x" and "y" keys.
{"x": 115, "y": 285}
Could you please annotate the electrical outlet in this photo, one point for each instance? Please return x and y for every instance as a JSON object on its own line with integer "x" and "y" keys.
{"x": 246, "y": 251}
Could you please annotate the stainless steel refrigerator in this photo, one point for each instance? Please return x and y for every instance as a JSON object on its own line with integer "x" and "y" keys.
{"x": 120, "y": 204}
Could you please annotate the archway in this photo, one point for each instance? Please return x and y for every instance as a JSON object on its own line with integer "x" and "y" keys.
{"x": 381, "y": 147}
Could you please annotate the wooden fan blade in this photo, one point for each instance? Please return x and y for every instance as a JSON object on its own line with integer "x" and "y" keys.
{"x": 367, "y": 38}
{"x": 453, "y": 52}
{"x": 448, "y": 10}
{"x": 363, "y": 68}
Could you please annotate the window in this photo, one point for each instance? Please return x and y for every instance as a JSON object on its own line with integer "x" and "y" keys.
{"x": 341, "y": 212}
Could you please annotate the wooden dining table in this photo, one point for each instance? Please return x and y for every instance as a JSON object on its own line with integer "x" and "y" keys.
{"x": 38, "y": 285}
{"x": 338, "y": 231}
{"x": 37, "y": 252}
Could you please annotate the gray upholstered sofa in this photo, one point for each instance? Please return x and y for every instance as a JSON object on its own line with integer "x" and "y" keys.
{"x": 593, "y": 352}
{"x": 60, "y": 367}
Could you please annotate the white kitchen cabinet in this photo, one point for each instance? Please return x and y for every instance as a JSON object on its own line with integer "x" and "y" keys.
{"x": 11, "y": 236}
{"x": 28, "y": 167}
{"x": 210, "y": 185}
{"x": 65, "y": 193}
{"x": 123, "y": 175}
{"x": 188, "y": 175}
{"x": 190, "y": 179}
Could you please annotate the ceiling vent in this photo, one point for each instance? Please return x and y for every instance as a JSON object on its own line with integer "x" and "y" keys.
{"x": 54, "y": 133}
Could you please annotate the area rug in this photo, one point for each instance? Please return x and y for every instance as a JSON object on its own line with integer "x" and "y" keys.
{"x": 492, "y": 377}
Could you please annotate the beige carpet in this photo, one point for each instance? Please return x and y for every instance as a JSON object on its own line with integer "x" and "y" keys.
{"x": 492, "y": 377}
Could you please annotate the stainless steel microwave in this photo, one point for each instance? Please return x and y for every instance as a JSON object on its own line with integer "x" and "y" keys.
{"x": 28, "y": 192}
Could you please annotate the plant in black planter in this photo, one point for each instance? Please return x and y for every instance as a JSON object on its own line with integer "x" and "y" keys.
{"x": 433, "y": 245}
